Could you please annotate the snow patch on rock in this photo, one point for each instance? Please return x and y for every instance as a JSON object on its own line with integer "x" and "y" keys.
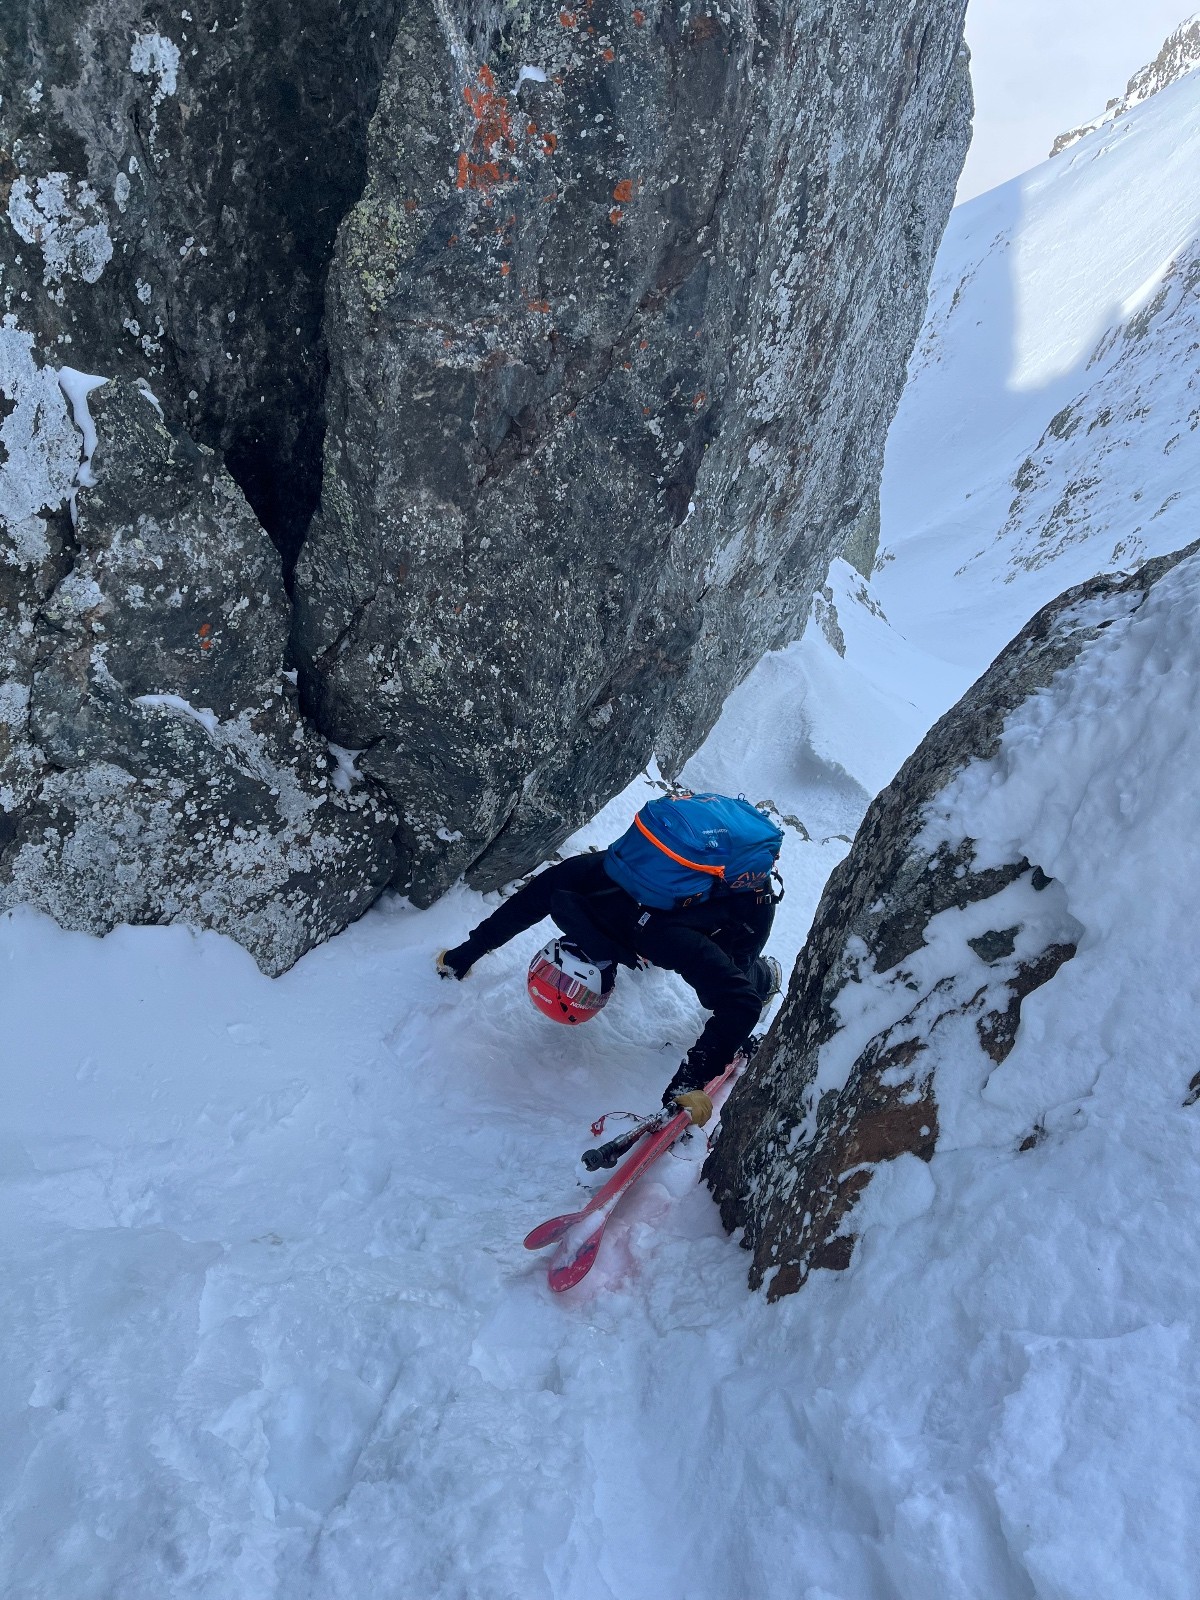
{"x": 40, "y": 448}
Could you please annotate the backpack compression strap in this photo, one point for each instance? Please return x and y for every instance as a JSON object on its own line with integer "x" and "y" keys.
{"x": 695, "y": 866}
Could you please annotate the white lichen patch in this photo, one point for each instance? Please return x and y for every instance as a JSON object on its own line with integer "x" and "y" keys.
{"x": 76, "y": 598}
{"x": 26, "y": 544}
{"x": 68, "y": 223}
{"x": 155, "y": 56}
{"x": 14, "y": 703}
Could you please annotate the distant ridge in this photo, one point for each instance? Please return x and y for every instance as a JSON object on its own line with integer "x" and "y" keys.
{"x": 1178, "y": 56}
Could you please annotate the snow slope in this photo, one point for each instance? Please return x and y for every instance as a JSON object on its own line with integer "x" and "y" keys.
{"x": 267, "y": 1328}
{"x": 1049, "y": 428}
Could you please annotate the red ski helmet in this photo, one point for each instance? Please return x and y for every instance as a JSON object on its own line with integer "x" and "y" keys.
{"x": 564, "y": 985}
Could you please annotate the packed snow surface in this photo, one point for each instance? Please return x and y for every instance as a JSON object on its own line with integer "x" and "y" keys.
{"x": 267, "y": 1326}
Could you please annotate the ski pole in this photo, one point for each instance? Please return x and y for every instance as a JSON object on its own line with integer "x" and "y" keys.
{"x": 607, "y": 1155}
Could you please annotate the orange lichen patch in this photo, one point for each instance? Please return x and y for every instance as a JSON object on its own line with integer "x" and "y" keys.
{"x": 448, "y": 344}
{"x": 549, "y": 199}
{"x": 568, "y": 19}
{"x": 623, "y": 191}
{"x": 610, "y": 54}
{"x": 643, "y": 344}
{"x": 615, "y": 215}
{"x": 645, "y": 411}
{"x": 205, "y": 632}
{"x": 549, "y": 143}
{"x": 699, "y": 400}
{"x": 639, "y": 19}
{"x": 628, "y": 365}
{"x": 505, "y": 268}
{"x": 410, "y": 206}
{"x": 453, "y": 239}
{"x": 541, "y": 306}
{"x": 530, "y": 129}
{"x": 481, "y": 165}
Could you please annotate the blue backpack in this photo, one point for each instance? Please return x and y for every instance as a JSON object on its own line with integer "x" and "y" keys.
{"x": 679, "y": 850}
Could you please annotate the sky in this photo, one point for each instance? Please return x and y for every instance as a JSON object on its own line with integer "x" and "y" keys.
{"x": 1043, "y": 66}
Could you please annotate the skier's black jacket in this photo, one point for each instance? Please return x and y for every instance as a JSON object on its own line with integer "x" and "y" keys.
{"x": 714, "y": 946}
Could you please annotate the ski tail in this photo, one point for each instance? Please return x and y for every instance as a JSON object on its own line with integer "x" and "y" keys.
{"x": 578, "y": 1234}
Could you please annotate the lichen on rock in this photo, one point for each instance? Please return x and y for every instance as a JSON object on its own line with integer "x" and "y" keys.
{"x": 616, "y": 331}
{"x": 155, "y": 767}
{"x": 170, "y": 188}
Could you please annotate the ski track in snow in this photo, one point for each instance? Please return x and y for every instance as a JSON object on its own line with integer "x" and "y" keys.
{"x": 269, "y": 1330}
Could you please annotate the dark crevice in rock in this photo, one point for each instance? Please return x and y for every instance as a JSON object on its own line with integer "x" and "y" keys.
{"x": 219, "y": 162}
{"x": 309, "y": 134}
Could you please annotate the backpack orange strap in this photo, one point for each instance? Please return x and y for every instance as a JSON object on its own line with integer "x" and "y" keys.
{"x": 695, "y": 866}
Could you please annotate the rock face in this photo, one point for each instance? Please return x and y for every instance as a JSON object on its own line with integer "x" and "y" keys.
{"x": 153, "y": 764}
{"x": 171, "y": 183}
{"x": 615, "y": 334}
{"x": 911, "y": 982}
{"x": 1178, "y": 56}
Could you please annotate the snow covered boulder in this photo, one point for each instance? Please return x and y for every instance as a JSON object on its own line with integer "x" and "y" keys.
{"x": 616, "y": 332}
{"x": 981, "y": 869}
{"x": 153, "y": 764}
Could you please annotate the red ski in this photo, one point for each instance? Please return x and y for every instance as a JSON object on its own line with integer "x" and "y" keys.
{"x": 578, "y": 1233}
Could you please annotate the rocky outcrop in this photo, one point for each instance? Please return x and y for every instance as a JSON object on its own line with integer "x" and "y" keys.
{"x": 1178, "y": 56}
{"x": 615, "y": 332}
{"x": 170, "y": 190}
{"x": 910, "y": 986}
{"x": 153, "y": 764}
{"x": 171, "y": 183}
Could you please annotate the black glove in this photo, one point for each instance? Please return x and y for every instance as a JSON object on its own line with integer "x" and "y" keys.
{"x": 693, "y": 1073}
{"x": 458, "y": 962}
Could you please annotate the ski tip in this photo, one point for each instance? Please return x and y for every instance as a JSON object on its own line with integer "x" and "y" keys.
{"x": 549, "y": 1232}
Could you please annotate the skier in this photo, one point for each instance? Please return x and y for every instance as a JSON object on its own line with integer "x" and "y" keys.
{"x": 714, "y": 941}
